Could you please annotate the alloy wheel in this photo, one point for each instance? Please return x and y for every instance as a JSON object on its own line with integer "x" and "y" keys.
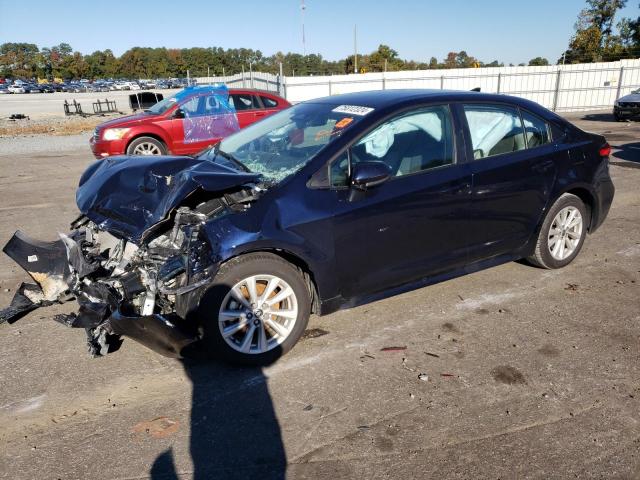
{"x": 565, "y": 233}
{"x": 258, "y": 314}
{"x": 147, "y": 148}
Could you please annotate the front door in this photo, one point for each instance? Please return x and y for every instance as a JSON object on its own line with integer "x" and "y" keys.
{"x": 414, "y": 224}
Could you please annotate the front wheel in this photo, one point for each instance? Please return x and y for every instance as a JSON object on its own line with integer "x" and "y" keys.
{"x": 146, "y": 146}
{"x": 256, "y": 309}
{"x": 562, "y": 233}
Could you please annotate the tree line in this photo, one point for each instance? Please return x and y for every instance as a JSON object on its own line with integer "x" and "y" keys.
{"x": 595, "y": 40}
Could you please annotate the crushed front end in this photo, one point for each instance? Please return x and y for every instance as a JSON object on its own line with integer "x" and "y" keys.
{"x": 144, "y": 285}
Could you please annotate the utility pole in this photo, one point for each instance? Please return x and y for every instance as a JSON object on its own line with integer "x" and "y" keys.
{"x": 355, "y": 49}
{"x": 208, "y": 75}
{"x": 303, "y": 7}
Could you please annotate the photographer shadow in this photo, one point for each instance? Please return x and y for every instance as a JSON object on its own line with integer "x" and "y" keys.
{"x": 234, "y": 430}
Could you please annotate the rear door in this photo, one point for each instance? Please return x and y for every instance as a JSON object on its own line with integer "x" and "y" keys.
{"x": 246, "y": 106}
{"x": 513, "y": 170}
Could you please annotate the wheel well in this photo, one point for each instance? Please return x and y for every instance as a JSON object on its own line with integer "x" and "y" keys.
{"x": 586, "y": 197}
{"x": 301, "y": 265}
{"x": 152, "y": 135}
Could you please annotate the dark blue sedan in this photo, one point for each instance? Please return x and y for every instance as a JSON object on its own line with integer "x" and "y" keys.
{"x": 329, "y": 204}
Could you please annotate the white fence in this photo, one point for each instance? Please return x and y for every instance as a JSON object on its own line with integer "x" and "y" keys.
{"x": 562, "y": 88}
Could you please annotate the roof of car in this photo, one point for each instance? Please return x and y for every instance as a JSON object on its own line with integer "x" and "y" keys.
{"x": 384, "y": 98}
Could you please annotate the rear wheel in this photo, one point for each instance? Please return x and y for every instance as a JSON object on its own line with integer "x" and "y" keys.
{"x": 256, "y": 310}
{"x": 146, "y": 146}
{"x": 562, "y": 234}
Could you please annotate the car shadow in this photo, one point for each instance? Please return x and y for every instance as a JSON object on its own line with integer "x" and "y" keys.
{"x": 629, "y": 152}
{"x": 234, "y": 429}
{"x": 599, "y": 117}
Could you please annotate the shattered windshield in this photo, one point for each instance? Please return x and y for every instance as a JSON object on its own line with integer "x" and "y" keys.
{"x": 280, "y": 145}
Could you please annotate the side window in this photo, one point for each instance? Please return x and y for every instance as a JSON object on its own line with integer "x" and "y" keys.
{"x": 241, "y": 101}
{"x": 268, "y": 102}
{"x": 410, "y": 143}
{"x": 557, "y": 133}
{"x": 494, "y": 130}
{"x": 339, "y": 171}
{"x": 536, "y": 130}
{"x": 190, "y": 107}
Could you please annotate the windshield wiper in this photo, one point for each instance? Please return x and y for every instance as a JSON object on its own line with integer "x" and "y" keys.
{"x": 232, "y": 159}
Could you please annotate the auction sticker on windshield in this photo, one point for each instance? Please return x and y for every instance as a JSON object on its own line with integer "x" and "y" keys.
{"x": 353, "y": 109}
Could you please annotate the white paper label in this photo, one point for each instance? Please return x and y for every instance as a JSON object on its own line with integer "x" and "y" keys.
{"x": 353, "y": 109}
{"x": 32, "y": 258}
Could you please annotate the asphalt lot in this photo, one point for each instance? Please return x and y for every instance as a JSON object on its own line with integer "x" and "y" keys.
{"x": 531, "y": 373}
{"x": 50, "y": 105}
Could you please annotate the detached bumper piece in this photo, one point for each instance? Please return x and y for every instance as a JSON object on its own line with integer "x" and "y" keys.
{"x": 63, "y": 271}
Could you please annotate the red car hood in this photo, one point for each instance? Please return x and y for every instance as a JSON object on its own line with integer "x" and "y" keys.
{"x": 128, "y": 121}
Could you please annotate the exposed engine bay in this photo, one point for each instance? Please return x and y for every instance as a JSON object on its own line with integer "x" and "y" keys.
{"x": 144, "y": 290}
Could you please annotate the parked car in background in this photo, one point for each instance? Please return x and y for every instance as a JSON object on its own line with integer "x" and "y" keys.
{"x": 15, "y": 88}
{"x": 31, "y": 88}
{"x": 4, "y": 89}
{"x": 47, "y": 88}
{"x": 182, "y": 124}
{"x": 627, "y": 107}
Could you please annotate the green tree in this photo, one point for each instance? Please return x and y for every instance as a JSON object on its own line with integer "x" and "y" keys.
{"x": 538, "y": 61}
{"x": 594, "y": 39}
{"x": 19, "y": 59}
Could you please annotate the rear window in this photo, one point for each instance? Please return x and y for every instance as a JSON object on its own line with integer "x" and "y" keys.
{"x": 536, "y": 130}
{"x": 268, "y": 102}
{"x": 243, "y": 101}
{"x": 494, "y": 130}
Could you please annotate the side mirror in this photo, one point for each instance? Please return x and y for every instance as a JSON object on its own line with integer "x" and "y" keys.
{"x": 179, "y": 113}
{"x": 369, "y": 174}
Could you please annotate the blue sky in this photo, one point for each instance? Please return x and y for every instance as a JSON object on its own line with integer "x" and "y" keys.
{"x": 510, "y": 31}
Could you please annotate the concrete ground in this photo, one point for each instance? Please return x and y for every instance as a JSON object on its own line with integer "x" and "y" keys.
{"x": 50, "y": 105}
{"x": 529, "y": 373}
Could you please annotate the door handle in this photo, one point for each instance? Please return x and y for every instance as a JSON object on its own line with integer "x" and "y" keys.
{"x": 260, "y": 114}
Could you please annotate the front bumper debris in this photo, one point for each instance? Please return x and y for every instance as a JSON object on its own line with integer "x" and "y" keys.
{"x": 122, "y": 290}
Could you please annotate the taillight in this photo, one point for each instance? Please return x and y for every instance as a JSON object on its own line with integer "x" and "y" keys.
{"x": 605, "y": 150}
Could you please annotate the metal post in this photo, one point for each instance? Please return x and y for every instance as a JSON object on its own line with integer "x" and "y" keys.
{"x": 499, "y": 79}
{"x": 555, "y": 95}
{"x": 441, "y": 82}
{"x": 384, "y": 81}
{"x": 284, "y": 87}
{"x": 355, "y": 49}
{"x": 243, "y": 84}
{"x": 280, "y": 92}
{"x": 620, "y": 83}
{"x": 251, "y": 74}
{"x": 330, "y": 86}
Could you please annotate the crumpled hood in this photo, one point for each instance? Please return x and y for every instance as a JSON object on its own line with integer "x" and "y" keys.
{"x": 127, "y": 195}
{"x": 632, "y": 97}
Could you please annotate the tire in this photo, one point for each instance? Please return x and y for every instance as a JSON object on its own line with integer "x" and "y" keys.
{"x": 146, "y": 144}
{"x": 548, "y": 253}
{"x": 257, "y": 321}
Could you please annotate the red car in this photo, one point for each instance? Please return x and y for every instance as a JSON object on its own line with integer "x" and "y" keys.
{"x": 185, "y": 123}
